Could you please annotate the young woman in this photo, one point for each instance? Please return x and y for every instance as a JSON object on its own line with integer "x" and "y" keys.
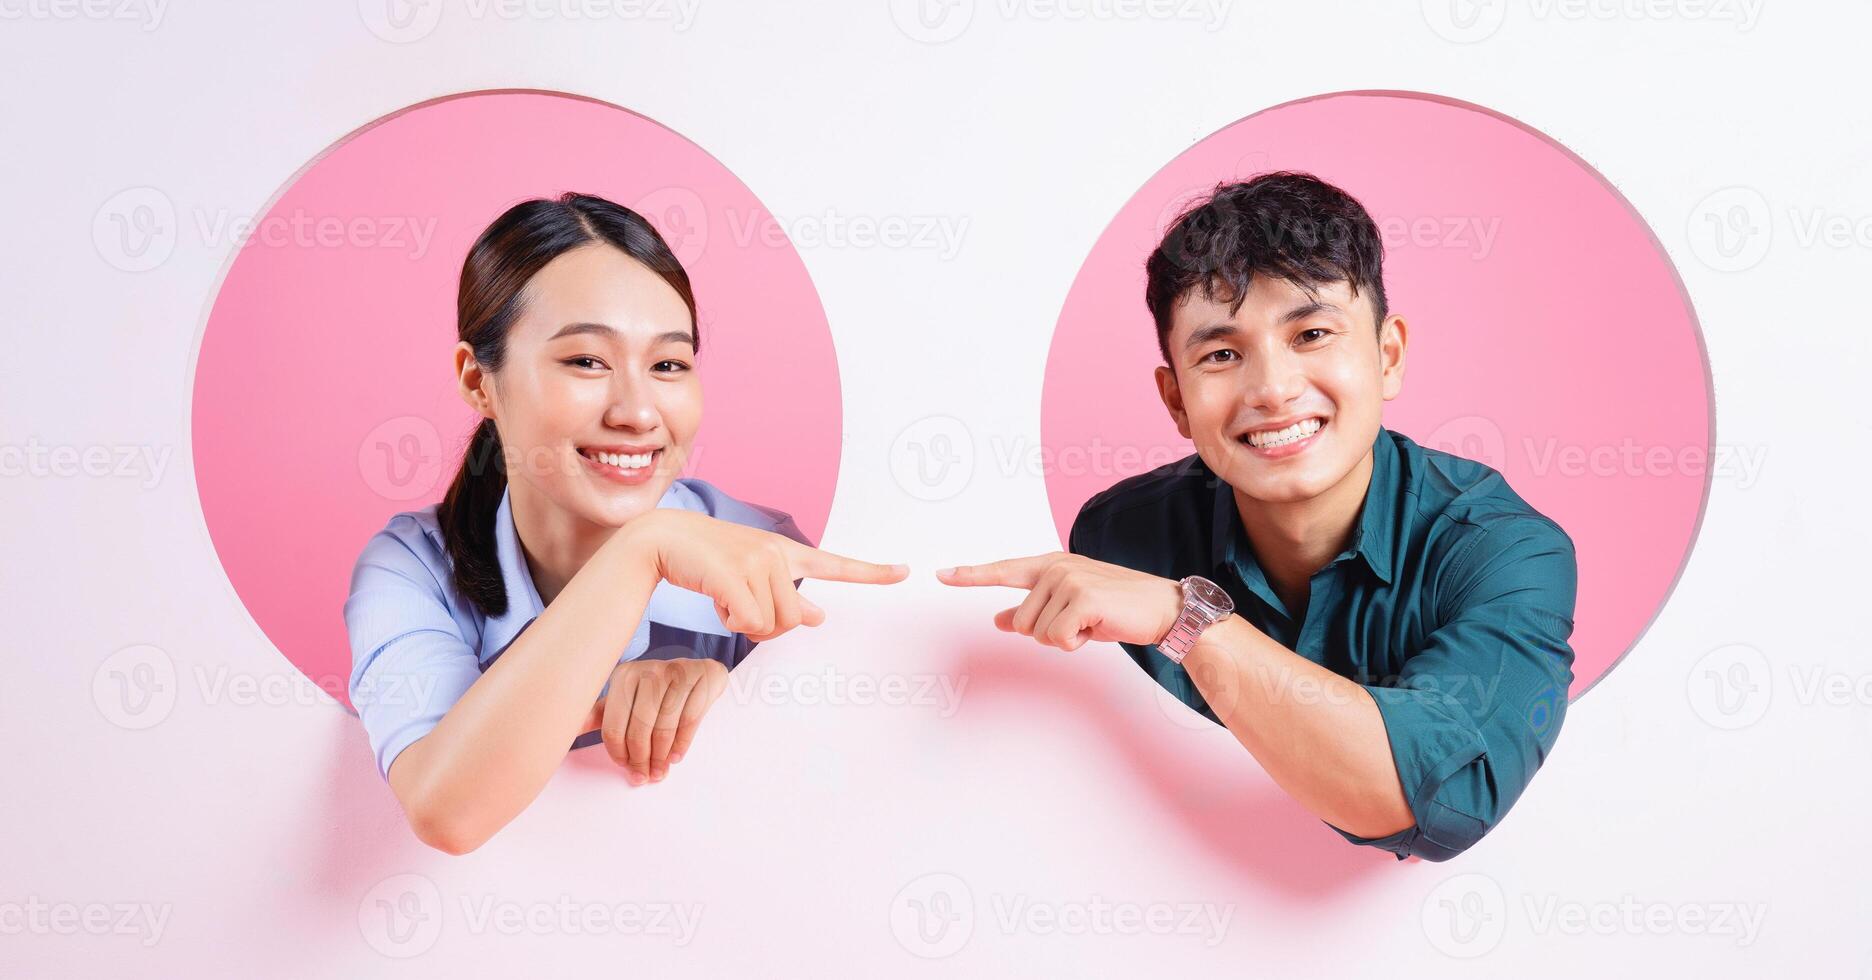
{"x": 567, "y": 558}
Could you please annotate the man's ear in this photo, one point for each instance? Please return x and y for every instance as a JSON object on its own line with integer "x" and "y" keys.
{"x": 1173, "y": 399}
{"x": 1392, "y": 337}
{"x": 472, "y": 383}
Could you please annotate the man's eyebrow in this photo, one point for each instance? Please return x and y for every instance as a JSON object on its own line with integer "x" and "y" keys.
{"x": 1214, "y": 331}
{"x": 666, "y": 337}
{"x": 1305, "y": 310}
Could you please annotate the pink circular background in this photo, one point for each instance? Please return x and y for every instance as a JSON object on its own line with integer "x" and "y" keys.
{"x": 324, "y": 393}
{"x": 1543, "y": 348}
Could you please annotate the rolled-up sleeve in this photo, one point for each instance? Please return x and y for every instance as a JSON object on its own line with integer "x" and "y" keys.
{"x": 1477, "y": 709}
{"x": 409, "y": 660}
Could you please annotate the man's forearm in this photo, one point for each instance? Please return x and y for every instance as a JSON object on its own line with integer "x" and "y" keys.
{"x": 1319, "y": 735}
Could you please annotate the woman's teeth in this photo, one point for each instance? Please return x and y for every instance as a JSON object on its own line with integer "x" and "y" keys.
{"x": 1280, "y": 437}
{"x": 624, "y": 462}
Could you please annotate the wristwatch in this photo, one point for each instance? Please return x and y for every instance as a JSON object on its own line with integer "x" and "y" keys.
{"x": 1204, "y": 604}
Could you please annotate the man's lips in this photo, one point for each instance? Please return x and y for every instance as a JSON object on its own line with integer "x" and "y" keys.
{"x": 1286, "y": 434}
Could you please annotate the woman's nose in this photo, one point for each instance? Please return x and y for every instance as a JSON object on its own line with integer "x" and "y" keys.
{"x": 631, "y": 408}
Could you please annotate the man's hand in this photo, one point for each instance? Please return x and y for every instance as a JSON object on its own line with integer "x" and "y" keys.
{"x": 1072, "y": 599}
{"x": 650, "y": 714}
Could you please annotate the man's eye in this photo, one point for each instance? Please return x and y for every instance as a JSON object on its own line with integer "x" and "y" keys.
{"x": 1321, "y": 332}
{"x": 1219, "y": 355}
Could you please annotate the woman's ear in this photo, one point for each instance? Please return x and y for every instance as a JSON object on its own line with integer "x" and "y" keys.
{"x": 1173, "y": 399}
{"x": 1392, "y": 337}
{"x": 471, "y": 382}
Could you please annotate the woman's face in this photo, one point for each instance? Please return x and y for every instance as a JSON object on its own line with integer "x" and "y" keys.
{"x": 597, "y": 400}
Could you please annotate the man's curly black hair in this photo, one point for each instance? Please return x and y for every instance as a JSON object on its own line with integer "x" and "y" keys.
{"x": 1288, "y": 225}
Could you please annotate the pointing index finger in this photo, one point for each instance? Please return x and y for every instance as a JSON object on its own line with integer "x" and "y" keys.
{"x": 808, "y": 562}
{"x": 1019, "y": 573}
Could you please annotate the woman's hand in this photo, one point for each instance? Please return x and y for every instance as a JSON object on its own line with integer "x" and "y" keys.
{"x": 650, "y": 714}
{"x": 748, "y": 572}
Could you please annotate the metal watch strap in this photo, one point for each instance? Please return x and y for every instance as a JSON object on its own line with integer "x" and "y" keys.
{"x": 1204, "y": 604}
{"x": 1177, "y": 643}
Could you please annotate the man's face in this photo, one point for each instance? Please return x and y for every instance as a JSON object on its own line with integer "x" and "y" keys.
{"x": 1282, "y": 398}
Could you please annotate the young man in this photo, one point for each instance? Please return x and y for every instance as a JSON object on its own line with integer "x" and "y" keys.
{"x": 1383, "y": 626}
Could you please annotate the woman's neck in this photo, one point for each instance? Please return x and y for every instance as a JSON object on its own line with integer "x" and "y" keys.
{"x": 554, "y": 542}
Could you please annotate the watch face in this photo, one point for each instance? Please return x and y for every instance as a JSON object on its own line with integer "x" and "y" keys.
{"x": 1209, "y": 594}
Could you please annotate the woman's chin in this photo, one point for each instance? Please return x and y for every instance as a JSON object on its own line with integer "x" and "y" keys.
{"x": 616, "y": 506}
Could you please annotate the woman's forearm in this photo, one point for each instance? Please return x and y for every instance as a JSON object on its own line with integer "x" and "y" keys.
{"x": 1319, "y": 735}
{"x": 497, "y": 747}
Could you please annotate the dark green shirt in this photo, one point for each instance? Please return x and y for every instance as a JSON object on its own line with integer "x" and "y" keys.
{"x": 1452, "y": 604}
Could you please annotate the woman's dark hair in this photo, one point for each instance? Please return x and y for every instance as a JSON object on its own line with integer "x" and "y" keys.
{"x": 493, "y": 292}
{"x": 1288, "y": 225}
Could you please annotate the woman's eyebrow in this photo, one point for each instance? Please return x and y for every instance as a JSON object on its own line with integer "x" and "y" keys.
{"x": 578, "y": 328}
{"x": 667, "y": 336}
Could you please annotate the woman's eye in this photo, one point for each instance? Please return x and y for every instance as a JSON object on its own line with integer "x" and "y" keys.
{"x": 668, "y": 366}
{"x": 587, "y": 363}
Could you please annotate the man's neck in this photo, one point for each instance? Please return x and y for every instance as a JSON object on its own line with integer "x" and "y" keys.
{"x": 554, "y": 543}
{"x": 1295, "y": 539}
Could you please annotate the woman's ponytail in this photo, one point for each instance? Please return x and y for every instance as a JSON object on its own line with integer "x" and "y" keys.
{"x": 466, "y": 517}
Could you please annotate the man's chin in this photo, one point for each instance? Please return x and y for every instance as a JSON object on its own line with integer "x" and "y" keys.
{"x": 1276, "y": 492}
{"x": 1272, "y": 481}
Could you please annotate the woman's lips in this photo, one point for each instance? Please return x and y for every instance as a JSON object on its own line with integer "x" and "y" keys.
{"x": 624, "y": 476}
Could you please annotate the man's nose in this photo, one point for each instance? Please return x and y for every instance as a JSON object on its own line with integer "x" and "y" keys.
{"x": 1273, "y": 380}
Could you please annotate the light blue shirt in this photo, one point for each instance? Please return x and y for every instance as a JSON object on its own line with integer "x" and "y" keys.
{"x": 417, "y": 644}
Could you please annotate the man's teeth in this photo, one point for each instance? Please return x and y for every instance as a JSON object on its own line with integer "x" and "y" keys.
{"x": 624, "y": 462}
{"x": 1280, "y": 437}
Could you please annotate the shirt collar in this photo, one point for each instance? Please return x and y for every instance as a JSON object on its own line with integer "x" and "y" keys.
{"x": 1371, "y": 536}
{"x": 1376, "y": 537}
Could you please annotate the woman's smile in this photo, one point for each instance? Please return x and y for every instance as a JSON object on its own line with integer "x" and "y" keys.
{"x": 626, "y": 465}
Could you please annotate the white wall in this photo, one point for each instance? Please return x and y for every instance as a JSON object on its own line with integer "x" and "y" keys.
{"x": 254, "y": 839}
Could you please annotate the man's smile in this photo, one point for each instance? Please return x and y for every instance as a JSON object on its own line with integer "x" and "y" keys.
{"x": 1285, "y": 438}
